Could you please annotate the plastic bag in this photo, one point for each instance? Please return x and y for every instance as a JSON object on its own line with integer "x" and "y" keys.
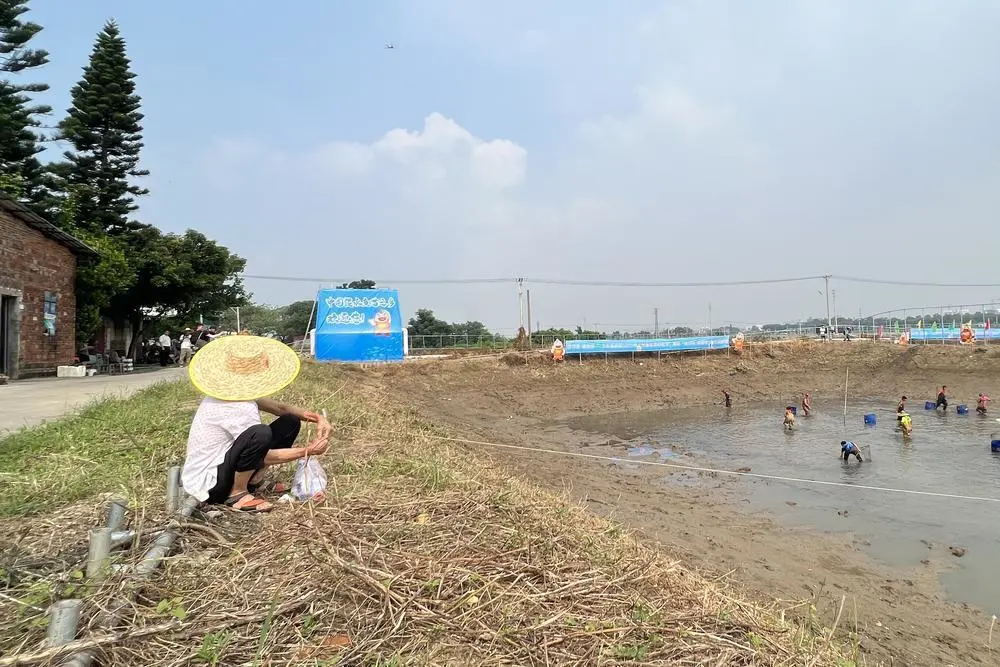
{"x": 310, "y": 479}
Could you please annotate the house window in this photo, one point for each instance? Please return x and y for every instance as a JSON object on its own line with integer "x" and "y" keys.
{"x": 51, "y": 305}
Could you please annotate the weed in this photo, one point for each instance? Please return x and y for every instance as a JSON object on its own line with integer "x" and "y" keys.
{"x": 213, "y": 647}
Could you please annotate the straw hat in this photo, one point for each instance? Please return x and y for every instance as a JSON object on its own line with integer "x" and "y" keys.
{"x": 243, "y": 368}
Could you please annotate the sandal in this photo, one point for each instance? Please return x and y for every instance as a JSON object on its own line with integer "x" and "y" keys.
{"x": 269, "y": 486}
{"x": 246, "y": 502}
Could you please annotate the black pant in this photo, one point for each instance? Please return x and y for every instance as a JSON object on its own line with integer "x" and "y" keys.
{"x": 164, "y": 356}
{"x": 849, "y": 453}
{"x": 942, "y": 402}
{"x": 248, "y": 452}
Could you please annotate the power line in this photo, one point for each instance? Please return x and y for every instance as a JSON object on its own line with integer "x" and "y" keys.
{"x": 543, "y": 281}
{"x": 626, "y": 283}
{"x": 614, "y": 283}
{"x": 906, "y": 283}
{"x": 431, "y": 281}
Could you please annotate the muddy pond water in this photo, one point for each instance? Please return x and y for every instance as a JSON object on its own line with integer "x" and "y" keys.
{"x": 948, "y": 453}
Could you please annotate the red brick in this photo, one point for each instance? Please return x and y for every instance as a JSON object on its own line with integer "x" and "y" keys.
{"x": 30, "y": 265}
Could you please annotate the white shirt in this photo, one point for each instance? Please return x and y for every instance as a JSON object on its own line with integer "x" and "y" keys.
{"x": 213, "y": 431}
{"x": 164, "y": 340}
{"x": 185, "y": 342}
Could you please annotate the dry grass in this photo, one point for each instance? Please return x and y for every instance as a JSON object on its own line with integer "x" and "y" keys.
{"x": 421, "y": 555}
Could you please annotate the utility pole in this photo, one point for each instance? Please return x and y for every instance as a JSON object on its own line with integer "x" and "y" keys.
{"x": 529, "y": 316}
{"x": 829, "y": 322}
{"x": 520, "y": 302}
{"x": 709, "y": 318}
{"x": 236, "y": 309}
{"x": 835, "y": 324}
{"x": 656, "y": 322}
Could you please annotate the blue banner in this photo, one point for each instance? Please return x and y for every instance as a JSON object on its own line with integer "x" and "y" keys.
{"x": 952, "y": 333}
{"x": 646, "y": 345}
{"x": 359, "y": 325}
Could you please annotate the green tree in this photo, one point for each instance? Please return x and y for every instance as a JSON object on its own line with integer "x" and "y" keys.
{"x": 178, "y": 277}
{"x": 258, "y": 319}
{"x": 471, "y": 332}
{"x": 103, "y": 127}
{"x": 428, "y": 330}
{"x": 297, "y": 318}
{"x": 364, "y": 283}
{"x": 99, "y": 278}
{"x": 21, "y": 173}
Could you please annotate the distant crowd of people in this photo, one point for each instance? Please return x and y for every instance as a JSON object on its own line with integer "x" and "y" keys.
{"x": 179, "y": 350}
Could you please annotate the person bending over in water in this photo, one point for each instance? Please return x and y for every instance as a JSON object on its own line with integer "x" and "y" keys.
{"x": 789, "y": 418}
{"x": 850, "y": 449}
{"x": 905, "y": 423}
{"x": 728, "y": 398}
{"x": 900, "y": 408}
{"x": 807, "y": 404}
{"x": 942, "y": 399}
{"x": 981, "y": 404}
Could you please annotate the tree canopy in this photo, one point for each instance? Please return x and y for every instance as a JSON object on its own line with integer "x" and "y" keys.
{"x": 364, "y": 283}
{"x": 103, "y": 127}
{"x": 21, "y": 173}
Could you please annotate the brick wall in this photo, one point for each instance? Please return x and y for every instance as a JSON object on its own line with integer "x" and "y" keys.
{"x": 32, "y": 264}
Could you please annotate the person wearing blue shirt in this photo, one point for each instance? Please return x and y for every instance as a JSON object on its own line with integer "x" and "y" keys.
{"x": 849, "y": 448}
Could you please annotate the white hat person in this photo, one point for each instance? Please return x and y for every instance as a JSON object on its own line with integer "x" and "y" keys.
{"x": 243, "y": 368}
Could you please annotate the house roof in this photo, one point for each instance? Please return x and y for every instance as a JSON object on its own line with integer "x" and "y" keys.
{"x": 38, "y": 223}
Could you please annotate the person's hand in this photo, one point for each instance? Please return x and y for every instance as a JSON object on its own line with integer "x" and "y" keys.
{"x": 323, "y": 428}
{"x": 317, "y": 446}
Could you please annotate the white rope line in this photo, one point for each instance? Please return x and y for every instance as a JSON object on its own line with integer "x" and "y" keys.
{"x": 615, "y": 459}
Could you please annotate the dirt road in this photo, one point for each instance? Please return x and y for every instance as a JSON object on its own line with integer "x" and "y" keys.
{"x": 899, "y": 614}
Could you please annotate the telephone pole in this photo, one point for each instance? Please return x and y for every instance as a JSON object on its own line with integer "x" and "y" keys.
{"x": 835, "y": 323}
{"x": 656, "y": 322}
{"x": 520, "y": 302}
{"x": 829, "y": 321}
{"x": 529, "y": 315}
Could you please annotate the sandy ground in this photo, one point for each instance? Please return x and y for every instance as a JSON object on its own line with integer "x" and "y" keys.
{"x": 30, "y": 402}
{"x": 900, "y": 615}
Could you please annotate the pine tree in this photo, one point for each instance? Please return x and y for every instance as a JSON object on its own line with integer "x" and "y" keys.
{"x": 103, "y": 126}
{"x": 21, "y": 173}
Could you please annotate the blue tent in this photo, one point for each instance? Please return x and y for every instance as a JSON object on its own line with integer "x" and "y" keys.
{"x": 359, "y": 325}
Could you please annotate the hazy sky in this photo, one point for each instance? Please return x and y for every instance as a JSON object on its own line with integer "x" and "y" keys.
{"x": 640, "y": 141}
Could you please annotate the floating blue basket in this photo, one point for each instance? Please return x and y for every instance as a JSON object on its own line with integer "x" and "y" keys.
{"x": 962, "y": 409}
{"x": 870, "y": 419}
{"x": 930, "y": 405}
{"x": 994, "y": 443}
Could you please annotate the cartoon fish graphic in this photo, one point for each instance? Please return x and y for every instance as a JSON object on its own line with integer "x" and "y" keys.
{"x": 382, "y": 322}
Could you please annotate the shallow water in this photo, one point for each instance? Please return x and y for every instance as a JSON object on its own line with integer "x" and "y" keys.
{"x": 948, "y": 453}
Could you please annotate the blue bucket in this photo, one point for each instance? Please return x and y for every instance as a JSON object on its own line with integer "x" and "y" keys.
{"x": 995, "y": 445}
{"x": 794, "y": 409}
{"x": 930, "y": 405}
{"x": 962, "y": 409}
{"x": 870, "y": 419}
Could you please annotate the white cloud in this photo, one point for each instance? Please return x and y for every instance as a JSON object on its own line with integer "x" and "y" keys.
{"x": 441, "y": 154}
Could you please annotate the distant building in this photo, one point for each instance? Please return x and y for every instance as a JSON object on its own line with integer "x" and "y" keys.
{"x": 37, "y": 292}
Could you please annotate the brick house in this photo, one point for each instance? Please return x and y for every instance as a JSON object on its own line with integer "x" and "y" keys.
{"x": 37, "y": 292}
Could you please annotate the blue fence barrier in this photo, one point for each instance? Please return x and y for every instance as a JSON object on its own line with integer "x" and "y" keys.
{"x": 647, "y": 345}
{"x": 952, "y": 333}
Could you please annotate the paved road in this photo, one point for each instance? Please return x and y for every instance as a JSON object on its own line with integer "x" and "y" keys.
{"x": 31, "y": 402}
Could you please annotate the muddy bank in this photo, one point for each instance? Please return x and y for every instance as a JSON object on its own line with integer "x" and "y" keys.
{"x": 899, "y": 615}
